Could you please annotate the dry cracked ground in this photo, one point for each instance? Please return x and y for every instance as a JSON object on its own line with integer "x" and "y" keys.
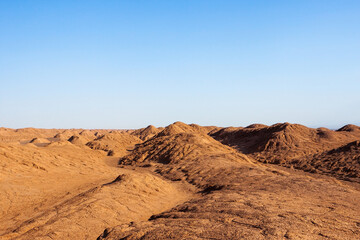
{"x": 284, "y": 181}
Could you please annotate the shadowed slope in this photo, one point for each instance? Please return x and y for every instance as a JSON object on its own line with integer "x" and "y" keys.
{"x": 349, "y": 128}
{"x": 343, "y": 162}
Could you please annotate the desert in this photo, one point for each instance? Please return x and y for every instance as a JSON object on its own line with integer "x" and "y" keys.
{"x": 182, "y": 181}
{"x": 184, "y": 120}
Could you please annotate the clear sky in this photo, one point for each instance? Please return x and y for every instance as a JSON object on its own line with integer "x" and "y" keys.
{"x": 128, "y": 64}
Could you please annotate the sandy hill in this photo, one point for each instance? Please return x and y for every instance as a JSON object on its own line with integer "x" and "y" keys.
{"x": 180, "y": 127}
{"x": 204, "y": 129}
{"x": 180, "y": 182}
{"x": 257, "y": 125}
{"x": 66, "y": 190}
{"x": 85, "y": 215}
{"x": 175, "y": 146}
{"x": 61, "y": 137}
{"x": 65, "y": 134}
{"x": 24, "y": 135}
{"x": 342, "y": 162}
{"x": 39, "y": 140}
{"x": 117, "y": 142}
{"x": 349, "y": 128}
{"x": 177, "y": 127}
{"x": 78, "y": 139}
{"x": 236, "y": 196}
{"x": 146, "y": 133}
{"x": 282, "y": 142}
{"x": 88, "y": 134}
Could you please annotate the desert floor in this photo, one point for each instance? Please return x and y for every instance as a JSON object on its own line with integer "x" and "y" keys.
{"x": 284, "y": 181}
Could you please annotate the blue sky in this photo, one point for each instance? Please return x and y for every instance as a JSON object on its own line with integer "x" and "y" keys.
{"x": 127, "y": 64}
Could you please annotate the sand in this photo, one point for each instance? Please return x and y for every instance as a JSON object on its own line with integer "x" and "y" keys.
{"x": 284, "y": 181}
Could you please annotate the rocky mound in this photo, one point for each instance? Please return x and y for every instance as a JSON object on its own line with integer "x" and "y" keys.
{"x": 174, "y": 148}
{"x": 175, "y": 128}
{"x": 88, "y": 134}
{"x": 257, "y": 125}
{"x": 24, "y": 135}
{"x": 180, "y": 127}
{"x": 78, "y": 140}
{"x": 204, "y": 129}
{"x": 181, "y": 183}
{"x": 196, "y": 154}
{"x": 117, "y": 142}
{"x": 146, "y": 133}
{"x": 343, "y": 162}
{"x": 66, "y": 134}
{"x": 280, "y": 143}
{"x": 237, "y": 198}
{"x": 59, "y": 143}
{"x": 39, "y": 140}
{"x": 349, "y": 128}
{"x": 60, "y": 136}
